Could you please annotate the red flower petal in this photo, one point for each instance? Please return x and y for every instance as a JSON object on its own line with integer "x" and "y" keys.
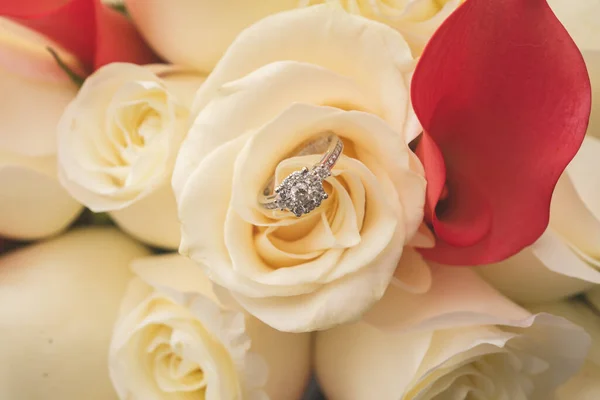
{"x": 96, "y": 34}
{"x": 504, "y": 96}
{"x": 118, "y": 40}
{"x": 29, "y": 8}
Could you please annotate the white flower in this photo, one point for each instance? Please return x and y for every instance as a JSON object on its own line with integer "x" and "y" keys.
{"x": 174, "y": 340}
{"x": 417, "y": 20}
{"x": 284, "y": 81}
{"x": 461, "y": 340}
{"x": 58, "y": 302}
{"x": 174, "y": 28}
{"x": 586, "y": 384}
{"x": 118, "y": 141}
{"x": 35, "y": 91}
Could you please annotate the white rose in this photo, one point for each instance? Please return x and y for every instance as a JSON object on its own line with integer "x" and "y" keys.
{"x": 461, "y": 340}
{"x": 175, "y": 340}
{"x": 58, "y": 302}
{"x": 288, "y": 78}
{"x": 586, "y": 384}
{"x": 35, "y": 91}
{"x": 417, "y": 20}
{"x": 175, "y": 28}
{"x": 118, "y": 141}
{"x": 566, "y": 259}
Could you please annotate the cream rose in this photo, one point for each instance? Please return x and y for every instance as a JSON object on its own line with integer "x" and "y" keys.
{"x": 417, "y": 20}
{"x": 35, "y": 91}
{"x": 274, "y": 90}
{"x": 174, "y": 28}
{"x": 566, "y": 259}
{"x": 175, "y": 340}
{"x": 58, "y": 302}
{"x": 461, "y": 340}
{"x": 118, "y": 141}
{"x": 586, "y": 384}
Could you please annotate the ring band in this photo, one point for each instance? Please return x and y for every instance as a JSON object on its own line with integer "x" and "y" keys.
{"x": 302, "y": 191}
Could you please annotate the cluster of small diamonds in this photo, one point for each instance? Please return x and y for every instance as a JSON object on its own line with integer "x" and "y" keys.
{"x": 302, "y": 191}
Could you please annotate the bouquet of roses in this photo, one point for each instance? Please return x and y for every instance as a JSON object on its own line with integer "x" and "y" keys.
{"x": 299, "y": 199}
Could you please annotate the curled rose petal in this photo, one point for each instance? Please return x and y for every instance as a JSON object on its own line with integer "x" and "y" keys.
{"x": 102, "y": 34}
{"x": 504, "y": 96}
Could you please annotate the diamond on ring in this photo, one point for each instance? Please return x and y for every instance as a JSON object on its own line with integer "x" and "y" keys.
{"x": 302, "y": 191}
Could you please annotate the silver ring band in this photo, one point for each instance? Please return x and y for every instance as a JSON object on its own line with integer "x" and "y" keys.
{"x": 302, "y": 191}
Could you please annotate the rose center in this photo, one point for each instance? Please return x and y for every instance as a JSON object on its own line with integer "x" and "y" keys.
{"x": 172, "y": 371}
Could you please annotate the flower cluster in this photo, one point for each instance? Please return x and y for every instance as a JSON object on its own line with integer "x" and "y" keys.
{"x": 285, "y": 199}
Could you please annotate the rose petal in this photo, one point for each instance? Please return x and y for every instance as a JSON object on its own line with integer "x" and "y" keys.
{"x": 583, "y": 172}
{"x": 162, "y": 229}
{"x": 157, "y": 271}
{"x": 355, "y": 48}
{"x": 33, "y": 204}
{"x": 413, "y": 273}
{"x": 550, "y": 263}
{"x": 457, "y": 297}
{"x": 572, "y": 214}
{"x": 217, "y": 183}
{"x": 592, "y": 61}
{"x": 328, "y": 306}
{"x": 507, "y": 119}
{"x": 59, "y": 301}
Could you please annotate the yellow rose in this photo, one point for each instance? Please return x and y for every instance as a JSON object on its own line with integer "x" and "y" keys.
{"x": 460, "y": 340}
{"x": 175, "y": 340}
{"x": 282, "y": 83}
{"x": 118, "y": 141}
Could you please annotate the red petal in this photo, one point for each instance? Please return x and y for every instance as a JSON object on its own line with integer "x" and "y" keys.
{"x": 29, "y": 8}
{"x": 503, "y": 92}
{"x": 118, "y": 40}
{"x": 96, "y": 34}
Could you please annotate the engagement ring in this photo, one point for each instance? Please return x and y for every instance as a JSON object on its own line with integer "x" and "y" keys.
{"x": 302, "y": 191}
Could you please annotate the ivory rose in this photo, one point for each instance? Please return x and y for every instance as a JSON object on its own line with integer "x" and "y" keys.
{"x": 118, "y": 141}
{"x": 35, "y": 91}
{"x": 174, "y": 28}
{"x": 273, "y": 91}
{"x": 175, "y": 340}
{"x": 586, "y": 384}
{"x": 58, "y": 302}
{"x": 461, "y": 340}
{"x": 417, "y": 20}
{"x": 566, "y": 259}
